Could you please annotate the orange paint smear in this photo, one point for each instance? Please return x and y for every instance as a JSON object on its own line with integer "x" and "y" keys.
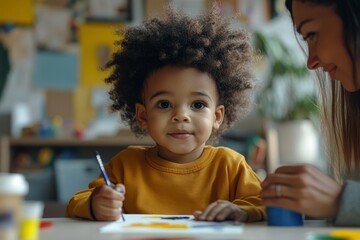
{"x": 159, "y": 225}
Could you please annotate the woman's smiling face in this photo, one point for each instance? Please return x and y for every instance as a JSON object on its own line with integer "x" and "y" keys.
{"x": 322, "y": 29}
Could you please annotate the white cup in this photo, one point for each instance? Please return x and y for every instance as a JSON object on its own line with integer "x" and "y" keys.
{"x": 13, "y": 188}
{"x": 30, "y": 220}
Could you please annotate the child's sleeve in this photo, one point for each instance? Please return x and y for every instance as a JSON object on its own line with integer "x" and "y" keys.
{"x": 79, "y": 204}
{"x": 247, "y": 193}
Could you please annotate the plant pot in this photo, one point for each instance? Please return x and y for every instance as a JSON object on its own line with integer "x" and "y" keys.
{"x": 298, "y": 142}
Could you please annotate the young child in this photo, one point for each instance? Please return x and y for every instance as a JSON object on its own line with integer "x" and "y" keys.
{"x": 182, "y": 80}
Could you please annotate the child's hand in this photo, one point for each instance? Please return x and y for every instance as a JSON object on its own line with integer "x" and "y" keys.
{"x": 222, "y": 210}
{"x": 107, "y": 202}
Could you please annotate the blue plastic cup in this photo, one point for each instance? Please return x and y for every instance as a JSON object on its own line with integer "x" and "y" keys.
{"x": 277, "y": 216}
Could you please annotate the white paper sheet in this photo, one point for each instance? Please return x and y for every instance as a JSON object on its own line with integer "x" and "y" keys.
{"x": 145, "y": 225}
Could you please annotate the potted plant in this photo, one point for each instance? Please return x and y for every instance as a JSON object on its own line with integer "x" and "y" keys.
{"x": 282, "y": 96}
{"x": 286, "y": 101}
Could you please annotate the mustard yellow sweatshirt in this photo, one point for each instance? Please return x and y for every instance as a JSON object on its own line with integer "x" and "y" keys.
{"x": 156, "y": 186}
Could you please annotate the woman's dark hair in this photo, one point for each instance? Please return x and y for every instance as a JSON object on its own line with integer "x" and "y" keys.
{"x": 342, "y": 108}
{"x": 205, "y": 42}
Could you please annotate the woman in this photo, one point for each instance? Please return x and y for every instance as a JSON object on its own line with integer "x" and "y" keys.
{"x": 331, "y": 32}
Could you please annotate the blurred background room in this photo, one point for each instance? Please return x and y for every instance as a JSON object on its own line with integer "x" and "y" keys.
{"x": 54, "y": 106}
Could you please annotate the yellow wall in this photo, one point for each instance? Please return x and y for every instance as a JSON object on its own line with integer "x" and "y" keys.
{"x": 17, "y": 11}
{"x": 92, "y": 37}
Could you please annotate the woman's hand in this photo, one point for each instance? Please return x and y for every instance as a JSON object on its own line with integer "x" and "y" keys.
{"x": 222, "y": 210}
{"x": 303, "y": 189}
{"x": 107, "y": 202}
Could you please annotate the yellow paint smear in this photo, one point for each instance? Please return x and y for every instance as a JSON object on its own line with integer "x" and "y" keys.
{"x": 346, "y": 233}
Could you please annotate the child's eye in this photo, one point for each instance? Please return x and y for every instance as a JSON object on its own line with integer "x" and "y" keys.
{"x": 310, "y": 36}
{"x": 163, "y": 104}
{"x": 198, "y": 105}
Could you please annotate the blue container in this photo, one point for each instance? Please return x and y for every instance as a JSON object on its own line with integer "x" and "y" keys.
{"x": 283, "y": 217}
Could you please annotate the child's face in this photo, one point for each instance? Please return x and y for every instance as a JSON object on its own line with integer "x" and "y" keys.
{"x": 180, "y": 111}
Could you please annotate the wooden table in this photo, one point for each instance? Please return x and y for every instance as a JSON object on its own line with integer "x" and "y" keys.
{"x": 77, "y": 229}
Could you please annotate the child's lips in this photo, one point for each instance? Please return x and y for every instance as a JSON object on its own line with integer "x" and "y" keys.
{"x": 180, "y": 135}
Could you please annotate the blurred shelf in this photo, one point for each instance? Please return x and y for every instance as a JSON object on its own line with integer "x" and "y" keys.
{"x": 103, "y": 141}
{"x": 109, "y": 145}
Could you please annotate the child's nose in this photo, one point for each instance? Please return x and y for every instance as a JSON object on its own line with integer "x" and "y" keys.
{"x": 181, "y": 115}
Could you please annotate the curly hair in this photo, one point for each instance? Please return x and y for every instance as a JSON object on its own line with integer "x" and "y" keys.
{"x": 205, "y": 42}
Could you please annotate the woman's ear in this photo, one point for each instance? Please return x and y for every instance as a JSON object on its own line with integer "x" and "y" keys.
{"x": 141, "y": 115}
{"x": 219, "y": 116}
